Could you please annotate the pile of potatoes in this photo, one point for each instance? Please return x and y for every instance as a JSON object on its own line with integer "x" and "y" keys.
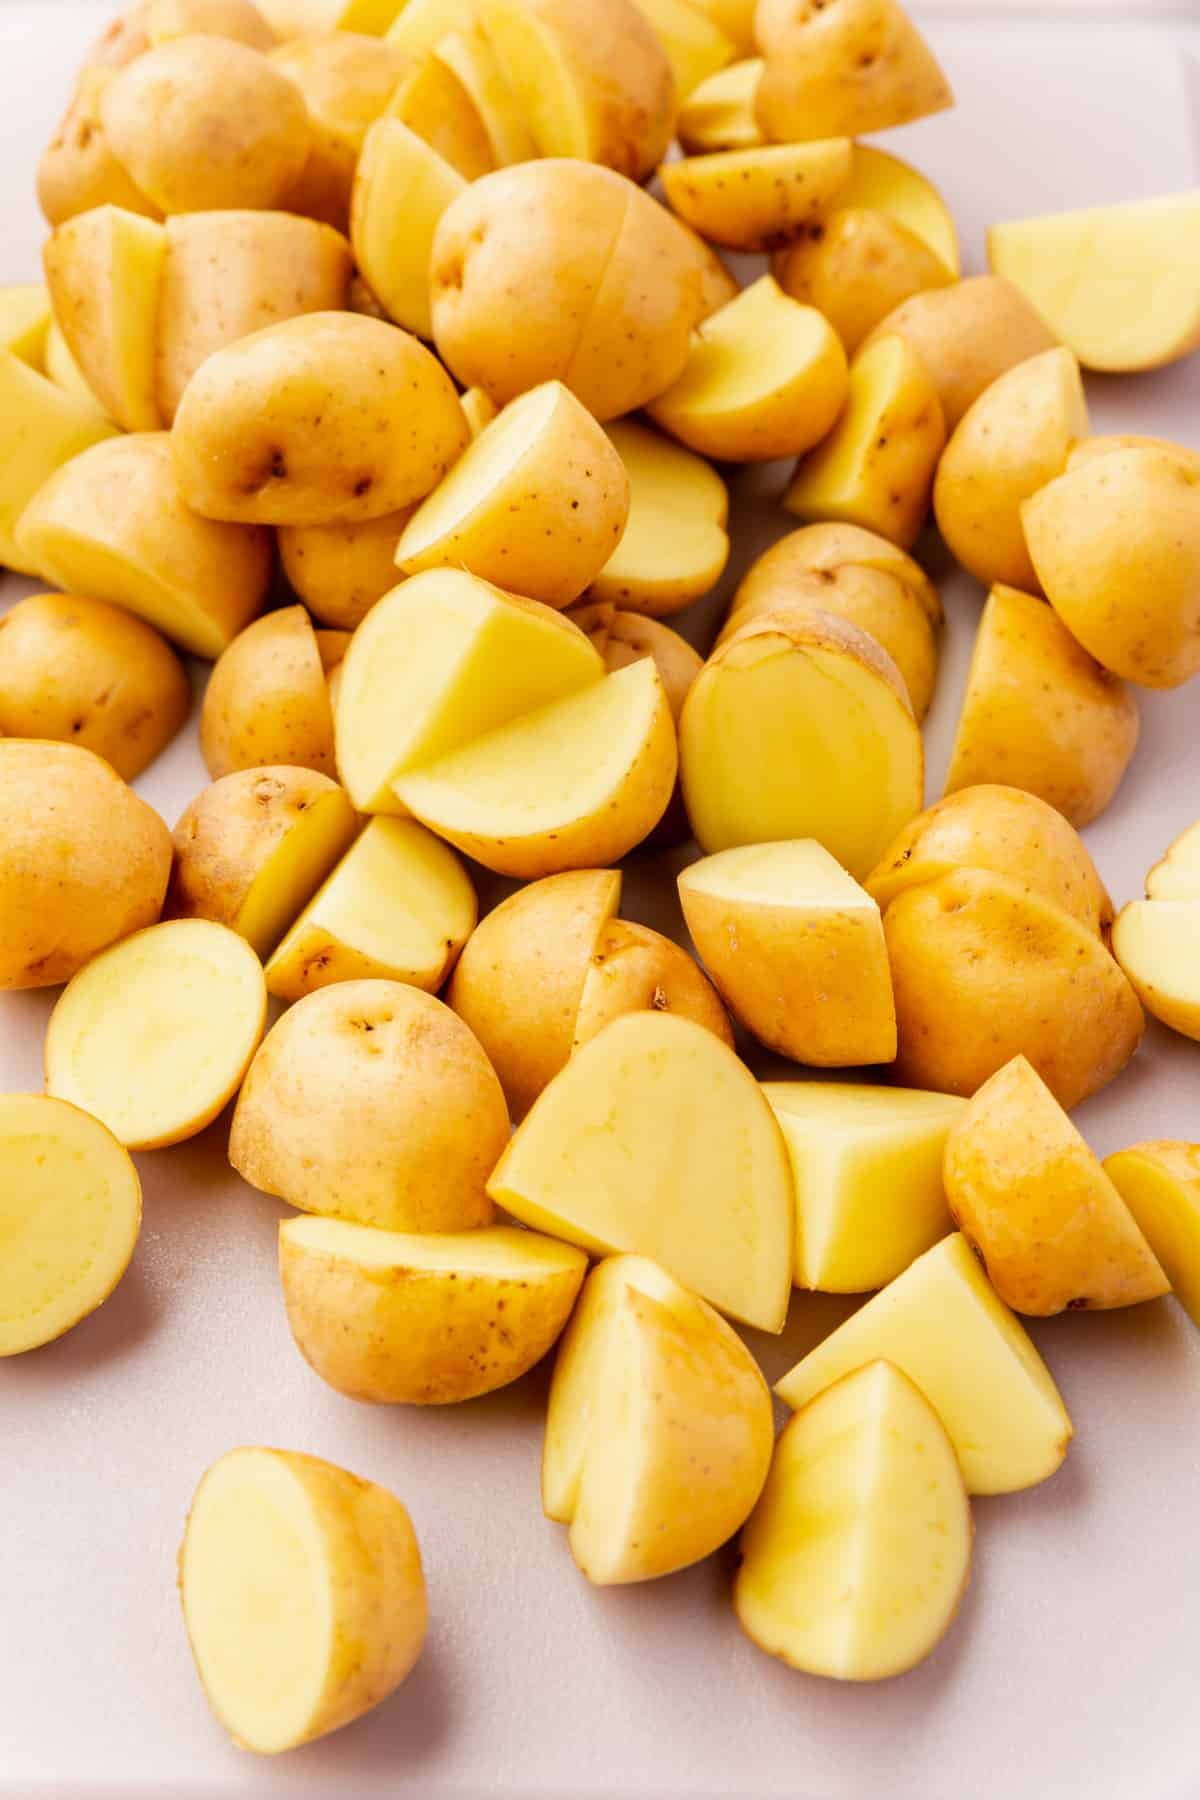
{"x": 368, "y": 368}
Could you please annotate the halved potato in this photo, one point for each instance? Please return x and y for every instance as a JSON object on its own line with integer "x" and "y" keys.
{"x": 340, "y": 571}
{"x": 79, "y": 168}
{"x": 400, "y": 176}
{"x": 154, "y": 1035}
{"x": 62, "y": 369}
{"x": 1160, "y": 1184}
{"x": 467, "y": 52}
{"x": 346, "y": 75}
{"x": 675, "y": 544}
{"x": 42, "y": 427}
{"x": 1177, "y": 875}
{"x": 104, "y": 269}
{"x": 434, "y": 101}
{"x": 695, "y": 44}
{"x": 25, "y": 316}
{"x": 718, "y": 114}
{"x": 848, "y": 67}
{"x": 760, "y": 198}
{"x": 1156, "y": 944}
{"x": 856, "y": 266}
{"x": 635, "y": 969}
{"x": 267, "y": 700}
{"x": 402, "y": 1319}
{"x": 885, "y": 184}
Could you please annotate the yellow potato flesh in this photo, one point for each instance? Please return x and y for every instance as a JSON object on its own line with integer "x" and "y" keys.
{"x": 24, "y": 321}
{"x": 70, "y": 1213}
{"x": 718, "y": 114}
{"x": 1160, "y": 1184}
{"x": 61, "y": 367}
{"x": 944, "y": 1326}
{"x": 758, "y": 199}
{"x": 42, "y": 426}
{"x": 655, "y": 1139}
{"x": 299, "y": 863}
{"x": 1157, "y": 943}
{"x": 1120, "y": 285}
{"x": 675, "y": 545}
{"x": 856, "y": 266}
{"x": 696, "y": 46}
{"x": 424, "y": 1320}
{"x": 883, "y": 183}
{"x": 432, "y": 100}
{"x": 400, "y": 176}
{"x": 867, "y": 1163}
{"x": 154, "y": 1035}
{"x": 469, "y": 55}
{"x": 105, "y": 271}
{"x": 419, "y": 25}
{"x": 267, "y": 699}
{"x": 1177, "y": 876}
{"x": 340, "y": 571}
{"x": 399, "y": 906}
{"x": 857, "y": 1556}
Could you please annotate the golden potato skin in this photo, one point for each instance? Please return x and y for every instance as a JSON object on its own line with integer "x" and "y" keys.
{"x": 83, "y": 861}
{"x": 856, "y": 266}
{"x": 340, "y": 571}
{"x": 236, "y": 19}
{"x": 267, "y": 700}
{"x": 837, "y": 67}
{"x": 635, "y": 969}
{"x": 79, "y": 168}
{"x": 87, "y": 673}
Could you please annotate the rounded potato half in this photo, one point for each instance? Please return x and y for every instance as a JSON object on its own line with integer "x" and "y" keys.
{"x": 236, "y": 19}
{"x": 634, "y": 969}
{"x": 850, "y": 67}
{"x": 340, "y": 571}
{"x": 267, "y": 700}
{"x": 675, "y": 544}
{"x": 760, "y": 198}
{"x": 79, "y": 168}
{"x": 855, "y": 266}
{"x": 346, "y": 77}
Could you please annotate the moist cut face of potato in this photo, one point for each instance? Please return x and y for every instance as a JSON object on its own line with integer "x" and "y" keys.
{"x": 42, "y": 427}
{"x": 399, "y": 175}
{"x": 70, "y": 1212}
{"x": 434, "y": 101}
{"x": 468, "y": 54}
{"x": 760, "y": 198}
{"x": 696, "y": 46}
{"x": 676, "y": 542}
{"x": 1160, "y": 1184}
{"x": 1156, "y": 944}
{"x": 104, "y": 269}
{"x": 656, "y": 1139}
{"x": 718, "y": 114}
{"x": 25, "y": 316}
{"x": 1177, "y": 875}
{"x": 849, "y": 67}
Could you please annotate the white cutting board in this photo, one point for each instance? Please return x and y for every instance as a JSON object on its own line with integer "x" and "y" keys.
{"x": 1072, "y": 1669}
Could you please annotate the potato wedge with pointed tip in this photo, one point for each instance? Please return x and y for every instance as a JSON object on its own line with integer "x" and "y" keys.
{"x": 432, "y": 100}
{"x": 1177, "y": 876}
{"x": 760, "y": 198}
{"x": 104, "y": 269}
{"x": 718, "y": 114}
{"x": 267, "y": 700}
{"x": 634, "y": 969}
{"x": 468, "y": 54}
{"x": 402, "y": 186}
{"x": 1156, "y": 943}
{"x": 856, "y": 266}
{"x": 675, "y": 544}
{"x": 847, "y": 67}
{"x": 25, "y": 317}
{"x": 885, "y": 184}
{"x": 696, "y": 46}
{"x": 1160, "y": 1184}
{"x": 43, "y": 426}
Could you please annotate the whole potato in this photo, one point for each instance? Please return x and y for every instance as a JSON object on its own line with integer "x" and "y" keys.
{"x": 83, "y": 861}
{"x": 320, "y": 420}
{"x": 83, "y": 672}
{"x": 79, "y": 168}
{"x": 340, "y": 571}
{"x": 267, "y": 700}
{"x": 855, "y": 267}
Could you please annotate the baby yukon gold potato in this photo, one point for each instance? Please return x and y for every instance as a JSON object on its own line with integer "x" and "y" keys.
{"x": 112, "y": 523}
{"x": 1039, "y": 713}
{"x": 844, "y": 68}
{"x": 1156, "y": 944}
{"x": 857, "y": 1557}
{"x": 424, "y": 1320}
{"x": 1177, "y": 875}
{"x": 42, "y": 426}
{"x": 659, "y": 1428}
{"x": 676, "y": 541}
{"x": 87, "y": 673}
{"x": 371, "y": 1101}
{"x": 867, "y": 1165}
{"x": 876, "y": 467}
{"x": 302, "y": 1595}
{"x": 237, "y": 19}
{"x": 1116, "y": 546}
{"x": 735, "y": 18}
{"x": 695, "y": 44}
{"x": 943, "y": 1325}
{"x": 346, "y": 77}
{"x": 1033, "y": 1202}
{"x": 796, "y": 949}
{"x": 467, "y": 52}
{"x": 400, "y": 176}
{"x": 433, "y": 100}
{"x": 592, "y": 82}
{"x": 83, "y": 861}
{"x": 247, "y": 446}
{"x": 635, "y": 969}
{"x": 855, "y": 266}
{"x": 399, "y": 906}
{"x": 252, "y": 848}
{"x": 537, "y": 503}
{"x": 340, "y": 571}
{"x": 766, "y": 378}
{"x": 610, "y": 286}
{"x": 1011, "y": 442}
{"x": 799, "y": 727}
{"x": 883, "y": 183}
{"x": 1088, "y": 449}
{"x": 227, "y": 274}
{"x": 1003, "y": 829}
{"x": 619, "y": 1153}
{"x": 79, "y": 168}
{"x": 625, "y": 637}
{"x": 439, "y": 663}
{"x": 1119, "y": 284}
{"x": 1160, "y": 1184}
{"x": 718, "y": 113}
{"x": 104, "y": 269}
{"x": 417, "y": 25}
{"x": 267, "y": 699}
{"x": 71, "y": 1211}
{"x": 1018, "y": 976}
{"x": 760, "y": 198}
{"x": 154, "y": 1035}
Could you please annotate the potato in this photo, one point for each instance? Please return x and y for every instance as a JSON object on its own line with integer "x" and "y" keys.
{"x": 864, "y": 1514}
{"x": 230, "y": 273}
{"x": 1007, "y": 831}
{"x": 734, "y": 17}
{"x": 122, "y": 39}
{"x": 623, "y": 638}
{"x": 154, "y": 1035}
{"x": 399, "y": 906}
{"x": 1011, "y": 442}
{"x": 302, "y": 1595}
{"x": 942, "y": 1324}
{"x": 577, "y": 784}
{"x": 796, "y": 949}
{"x": 1177, "y": 875}
{"x": 1018, "y": 976}
{"x": 1089, "y": 274}
{"x": 844, "y": 69}
{"x": 62, "y": 369}
{"x": 799, "y": 726}
{"x": 479, "y": 409}
{"x": 634, "y": 969}
{"x": 1033, "y": 1202}
{"x": 291, "y": 19}
{"x": 424, "y": 1321}
{"x": 467, "y": 52}
{"x": 610, "y": 286}
{"x": 25, "y": 318}
{"x": 1155, "y": 943}
{"x": 650, "y": 1386}
{"x": 882, "y": 183}
{"x": 73, "y": 1211}
{"x": 79, "y": 168}
{"x": 1160, "y": 1184}
{"x": 760, "y": 198}
{"x": 1090, "y": 448}
{"x": 400, "y": 175}
{"x": 112, "y": 523}
{"x": 42, "y": 427}
{"x": 718, "y": 113}
{"x": 340, "y": 571}
{"x": 876, "y": 467}
{"x": 621, "y": 1122}
{"x": 967, "y": 336}
{"x": 419, "y": 25}
{"x": 1116, "y": 545}
{"x": 440, "y": 662}
{"x": 237, "y": 19}
{"x": 855, "y": 266}
{"x": 1071, "y": 750}
{"x": 695, "y": 44}
{"x": 593, "y": 83}
{"x": 267, "y": 700}
{"x": 434, "y": 101}
{"x": 251, "y": 850}
{"x": 371, "y": 1101}
{"x": 867, "y": 1166}
{"x": 104, "y": 269}
{"x": 83, "y": 672}
{"x": 346, "y": 79}
{"x": 675, "y": 544}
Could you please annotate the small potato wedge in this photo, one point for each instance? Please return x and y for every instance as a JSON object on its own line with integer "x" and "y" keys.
{"x": 267, "y": 700}
{"x": 340, "y": 571}
{"x": 104, "y": 269}
{"x": 400, "y": 176}
{"x": 1160, "y": 1184}
{"x": 718, "y": 114}
{"x": 761, "y": 198}
{"x": 849, "y": 67}
{"x": 675, "y": 543}
{"x": 1156, "y": 942}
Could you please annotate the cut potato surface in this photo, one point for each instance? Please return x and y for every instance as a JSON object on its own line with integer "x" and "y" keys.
{"x": 1157, "y": 943}
{"x": 867, "y": 1164}
{"x": 718, "y": 114}
{"x": 302, "y": 1595}
{"x": 468, "y": 54}
{"x": 1160, "y": 1184}
{"x": 418, "y": 25}
{"x": 424, "y": 1321}
{"x": 760, "y": 198}
{"x": 154, "y": 1035}
{"x": 1177, "y": 876}
{"x": 432, "y": 99}
{"x": 885, "y": 184}
{"x": 70, "y": 1213}
{"x": 695, "y": 44}
{"x": 25, "y": 319}
{"x": 655, "y": 1139}
{"x": 104, "y": 269}
{"x": 42, "y": 427}
{"x": 675, "y": 544}
{"x": 945, "y": 1327}
{"x": 400, "y": 177}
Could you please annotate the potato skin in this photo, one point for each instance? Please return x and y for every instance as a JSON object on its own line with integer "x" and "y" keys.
{"x": 267, "y": 700}
{"x": 635, "y": 969}
{"x": 79, "y": 168}
{"x": 83, "y": 861}
{"x": 856, "y": 267}
{"x": 83, "y": 672}
{"x": 340, "y": 571}
{"x": 346, "y": 79}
